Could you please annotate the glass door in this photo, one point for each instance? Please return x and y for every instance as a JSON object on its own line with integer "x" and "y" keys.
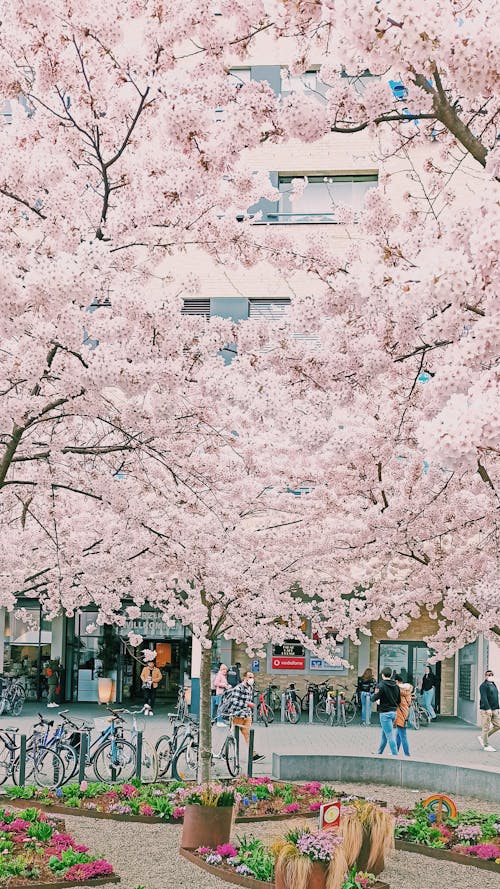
{"x": 409, "y": 659}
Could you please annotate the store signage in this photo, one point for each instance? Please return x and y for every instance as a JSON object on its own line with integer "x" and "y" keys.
{"x": 334, "y": 665}
{"x": 329, "y": 816}
{"x": 288, "y": 663}
{"x": 152, "y": 627}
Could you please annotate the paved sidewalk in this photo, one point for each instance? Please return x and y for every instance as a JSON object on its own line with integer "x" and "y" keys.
{"x": 448, "y": 741}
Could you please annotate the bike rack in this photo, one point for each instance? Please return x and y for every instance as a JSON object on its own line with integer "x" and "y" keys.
{"x": 138, "y": 762}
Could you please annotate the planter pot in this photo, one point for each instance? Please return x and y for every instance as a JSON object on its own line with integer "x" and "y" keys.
{"x": 317, "y": 879}
{"x": 206, "y": 826}
{"x": 362, "y": 860}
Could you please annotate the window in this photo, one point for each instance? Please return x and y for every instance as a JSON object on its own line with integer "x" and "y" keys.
{"x": 359, "y": 81}
{"x": 240, "y": 75}
{"x": 320, "y": 196}
{"x": 309, "y": 82}
{"x": 268, "y": 309}
{"x": 196, "y": 307}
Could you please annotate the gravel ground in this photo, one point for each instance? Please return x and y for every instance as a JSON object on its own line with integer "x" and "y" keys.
{"x": 147, "y": 855}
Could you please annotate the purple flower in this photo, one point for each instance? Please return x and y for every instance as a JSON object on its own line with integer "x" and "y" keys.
{"x": 483, "y": 850}
{"x": 468, "y": 831}
{"x": 319, "y": 846}
{"x": 213, "y": 858}
{"x": 79, "y": 873}
{"x": 291, "y": 808}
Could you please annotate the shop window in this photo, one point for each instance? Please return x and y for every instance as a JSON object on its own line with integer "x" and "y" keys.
{"x": 27, "y": 648}
{"x": 321, "y": 194}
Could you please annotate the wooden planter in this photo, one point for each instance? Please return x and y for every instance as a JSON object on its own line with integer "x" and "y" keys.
{"x": 317, "y": 879}
{"x": 62, "y": 884}
{"x": 362, "y": 860}
{"x": 447, "y": 855}
{"x": 230, "y": 876}
{"x": 206, "y": 826}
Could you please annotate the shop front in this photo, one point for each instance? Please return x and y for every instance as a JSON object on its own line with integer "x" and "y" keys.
{"x": 93, "y": 651}
{"x": 29, "y": 644}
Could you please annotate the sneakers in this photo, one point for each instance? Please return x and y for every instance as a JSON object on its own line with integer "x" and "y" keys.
{"x": 220, "y": 725}
{"x": 257, "y": 757}
{"x": 481, "y": 742}
{"x": 490, "y": 749}
{"x": 53, "y": 704}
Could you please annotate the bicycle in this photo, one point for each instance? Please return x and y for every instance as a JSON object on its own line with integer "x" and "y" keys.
{"x": 43, "y": 765}
{"x": 185, "y": 761}
{"x": 263, "y": 712}
{"x": 182, "y": 709}
{"x": 112, "y": 757}
{"x": 13, "y": 697}
{"x": 292, "y": 707}
{"x": 149, "y": 756}
{"x": 166, "y": 745}
{"x": 59, "y": 742}
{"x": 273, "y": 697}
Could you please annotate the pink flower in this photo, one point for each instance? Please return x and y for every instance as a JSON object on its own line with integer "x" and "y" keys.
{"x": 178, "y": 813}
{"x": 227, "y": 850}
{"x": 79, "y": 873}
{"x": 147, "y": 810}
{"x": 83, "y": 786}
{"x": 315, "y": 806}
{"x": 291, "y": 808}
{"x": 203, "y": 850}
{"x": 128, "y": 791}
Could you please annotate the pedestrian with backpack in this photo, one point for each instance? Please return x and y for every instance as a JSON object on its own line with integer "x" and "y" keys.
{"x": 233, "y": 675}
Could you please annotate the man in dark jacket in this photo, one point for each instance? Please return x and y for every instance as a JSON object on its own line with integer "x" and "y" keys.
{"x": 489, "y": 708}
{"x": 388, "y": 696}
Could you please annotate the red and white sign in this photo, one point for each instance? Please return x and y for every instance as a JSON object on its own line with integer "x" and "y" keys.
{"x": 329, "y": 816}
{"x": 288, "y": 663}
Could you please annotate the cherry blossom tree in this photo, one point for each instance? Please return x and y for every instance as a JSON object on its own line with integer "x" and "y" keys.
{"x": 134, "y": 464}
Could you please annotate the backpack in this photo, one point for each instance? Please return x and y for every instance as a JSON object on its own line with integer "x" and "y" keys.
{"x": 233, "y": 676}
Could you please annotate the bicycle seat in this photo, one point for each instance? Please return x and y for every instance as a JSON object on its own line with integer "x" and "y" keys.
{"x": 11, "y": 728}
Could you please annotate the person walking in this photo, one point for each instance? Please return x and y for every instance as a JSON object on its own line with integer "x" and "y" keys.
{"x": 240, "y": 708}
{"x": 405, "y": 690}
{"x": 388, "y": 696}
{"x": 234, "y": 675}
{"x": 151, "y": 677}
{"x": 365, "y": 689}
{"x": 489, "y": 709}
{"x": 52, "y": 672}
{"x": 220, "y": 686}
{"x": 428, "y": 691}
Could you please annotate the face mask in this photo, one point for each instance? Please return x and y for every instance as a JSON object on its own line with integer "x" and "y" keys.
{"x": 251, "y": 681}
{"x": 490, "y": 679}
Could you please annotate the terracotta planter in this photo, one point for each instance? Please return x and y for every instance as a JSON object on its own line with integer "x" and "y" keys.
{"x": 317, "y": 879}
{"x": 206, "y": 826}
{"x": 362, "y": 860}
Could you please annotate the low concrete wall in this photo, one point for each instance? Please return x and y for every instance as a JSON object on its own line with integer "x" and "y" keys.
{"x": 397, "y": 772}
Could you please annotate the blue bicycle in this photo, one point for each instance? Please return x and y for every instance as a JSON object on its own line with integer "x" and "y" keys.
{"x": 112, "y": 757}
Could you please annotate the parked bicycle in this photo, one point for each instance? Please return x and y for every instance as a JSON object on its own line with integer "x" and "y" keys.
{"x": 43, "y": 765}
{"x": 12, "y": 697}
{"x": 182, "y": 709}
{"x": 149, "y": 755}
{"x": 185, "y": 761}
{"x": 167, "y": 745}
{"x": 417, "y": 714}
{"x": 336, "y": 708}
{"x": 273, "y": 697}
{"x": 292, "y": 705}
{"x": 263, "y": 711}
{"x": 112, "y": 757}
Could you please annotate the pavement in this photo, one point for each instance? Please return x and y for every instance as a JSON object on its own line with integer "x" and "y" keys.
{"x": 447, "y": 740}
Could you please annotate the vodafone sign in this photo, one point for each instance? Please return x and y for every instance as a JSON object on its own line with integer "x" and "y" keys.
{"x": 280, "y": 662}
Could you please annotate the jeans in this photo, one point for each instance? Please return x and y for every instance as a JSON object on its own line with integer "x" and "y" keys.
{"x": 215, "y": 704}
{"x": 428, "y": 698}
{"x": 402, "y": 739}
{"x": 366, "y": 707}
{"x": 387, "y": 726}
{"x": 149, "y": 696}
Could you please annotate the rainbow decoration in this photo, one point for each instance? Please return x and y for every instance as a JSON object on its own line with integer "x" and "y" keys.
{"x": 441, "y": 806}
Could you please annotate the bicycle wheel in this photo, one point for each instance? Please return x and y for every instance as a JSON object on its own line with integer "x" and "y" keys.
{"x": 270, "y": 715}
{"x": 292, "y": 712}
{"x": 349, "y": 711}
{"x": 262, "y": 715}
{"x": 48, "y": 768}
{"x": 414, "y": 718}
{"x": 69, "y": 757}
{"x": 149, "y": 763}
{"x": 322, "y": 711}
{"x": 115, "y": 760}
{"x": 164, "y": 752}
{"x": 232, "y": 761}
{"x": 17, "y": 705}
{"x": 423, "y": 716}
{"x": 6, "y": 761}
{"x": 185, "y": 762}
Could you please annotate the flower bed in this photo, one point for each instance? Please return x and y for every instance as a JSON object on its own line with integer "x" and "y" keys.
{"x": 257, "y": 799}
{"x": 470, "y": 838}
{"x": 34, "y": 851}
{"x": 252, "y": 864}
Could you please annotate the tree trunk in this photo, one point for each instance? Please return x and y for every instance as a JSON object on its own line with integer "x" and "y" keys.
{"x": 205, "y": 752}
